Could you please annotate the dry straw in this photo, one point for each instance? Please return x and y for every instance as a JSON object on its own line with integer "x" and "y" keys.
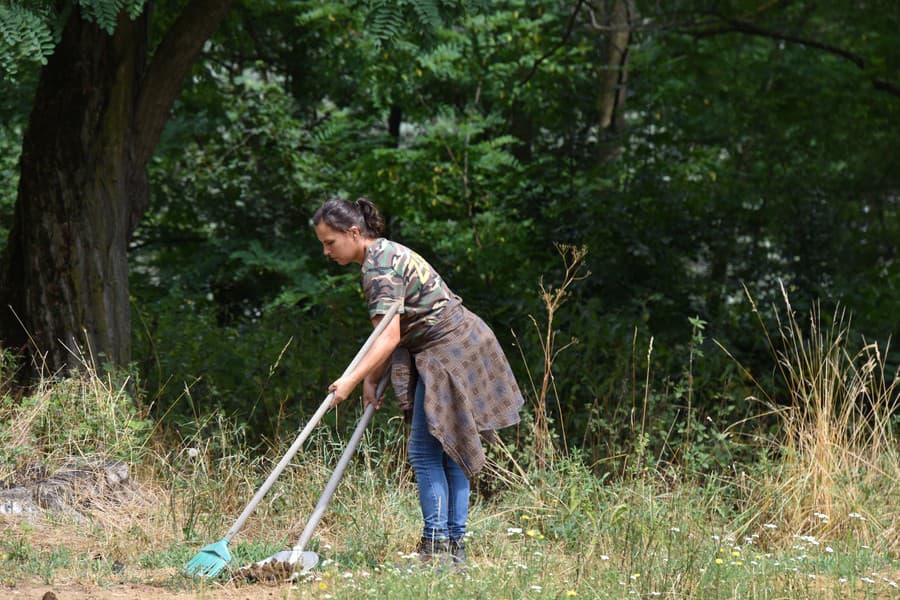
{"x": 834, "y": 442}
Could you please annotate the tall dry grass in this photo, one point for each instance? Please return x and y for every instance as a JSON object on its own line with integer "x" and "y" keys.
{"x": 835, "y": 464}
{"x": 553, "y": 297}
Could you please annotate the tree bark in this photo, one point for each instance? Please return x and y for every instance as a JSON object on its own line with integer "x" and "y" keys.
{"x": 614, "y": 75}
{"x": 98, "y": 112}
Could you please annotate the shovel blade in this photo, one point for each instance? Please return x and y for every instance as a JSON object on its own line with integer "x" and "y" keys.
{"x": 286, "y": 565}
{"x": 309, "y": 560}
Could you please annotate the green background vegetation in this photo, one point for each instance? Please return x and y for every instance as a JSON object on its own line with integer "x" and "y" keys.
{"x": 739, "y": 213}
{"x": 741, "y": 155}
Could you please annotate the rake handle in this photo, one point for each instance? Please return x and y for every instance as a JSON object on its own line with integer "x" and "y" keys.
{"x": 317, "y": 416}
{"x": 332, "y": 484}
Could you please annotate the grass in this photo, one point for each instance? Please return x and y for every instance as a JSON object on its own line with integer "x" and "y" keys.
{"x": 835, "y": 455}
{"x": 567, "y": 535}
{"x": 815, "y": 517}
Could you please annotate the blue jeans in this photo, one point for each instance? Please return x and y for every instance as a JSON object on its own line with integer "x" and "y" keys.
{"x": 443, "y": 485}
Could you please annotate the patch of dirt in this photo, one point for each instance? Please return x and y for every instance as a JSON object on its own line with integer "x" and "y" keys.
{"x": 116, "y": 534}
{"x": 119, "y": 591}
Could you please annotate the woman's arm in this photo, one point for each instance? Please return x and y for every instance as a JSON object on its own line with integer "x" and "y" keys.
{"x": 371, "y": 366}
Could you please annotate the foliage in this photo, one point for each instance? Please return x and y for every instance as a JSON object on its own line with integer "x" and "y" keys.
{"x": 25, "y": 34}
{"x": 386, "y": 20}
{"x": 29, "y": 31}
{"x": 15, "y": 98}
{"x": 10, "y": 142}
{"x": 218, "y": 308}
{"x": 757, "y": 145}
{"x": 106, "y": 12}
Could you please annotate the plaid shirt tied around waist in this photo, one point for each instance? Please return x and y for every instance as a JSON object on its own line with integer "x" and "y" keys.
{"x": 470, "y": 390}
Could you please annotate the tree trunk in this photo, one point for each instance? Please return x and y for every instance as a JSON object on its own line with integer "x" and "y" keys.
{"x": 97, "y": 115}
{"x": 395, "y": 119}
{"x": 614, "y": 76}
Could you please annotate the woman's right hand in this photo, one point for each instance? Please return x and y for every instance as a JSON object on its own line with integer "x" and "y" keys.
{"x": 341, "y": 388}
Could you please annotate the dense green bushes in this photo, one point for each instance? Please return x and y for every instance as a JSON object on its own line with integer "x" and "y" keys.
{"x": 481, "y": 141}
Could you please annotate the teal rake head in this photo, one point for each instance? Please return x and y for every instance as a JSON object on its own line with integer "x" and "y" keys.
{"x": 210, "y": 561}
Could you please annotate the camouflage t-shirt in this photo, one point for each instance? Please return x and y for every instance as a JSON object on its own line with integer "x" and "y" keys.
{"x": 391, "y": 271}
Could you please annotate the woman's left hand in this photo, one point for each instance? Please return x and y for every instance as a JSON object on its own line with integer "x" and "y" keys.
{"x": 369, "y": 390}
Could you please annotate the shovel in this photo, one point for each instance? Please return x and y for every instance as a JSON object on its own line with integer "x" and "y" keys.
{"x": 287, "y": 564}
{"x": 211, "y": 559}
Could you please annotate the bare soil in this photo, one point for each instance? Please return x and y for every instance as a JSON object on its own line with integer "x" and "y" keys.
{"x": 116, "y": 536}
{"x": 110, "y": 591}
{"x": 128, "y": 586}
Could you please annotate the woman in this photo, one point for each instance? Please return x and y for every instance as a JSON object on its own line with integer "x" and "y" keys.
{"x": 448, "y": 371}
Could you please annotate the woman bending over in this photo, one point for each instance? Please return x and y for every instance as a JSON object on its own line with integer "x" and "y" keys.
{"x": 448, "y": 370}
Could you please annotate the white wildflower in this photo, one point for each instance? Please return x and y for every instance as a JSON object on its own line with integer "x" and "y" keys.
{"x": 811, "y": 539}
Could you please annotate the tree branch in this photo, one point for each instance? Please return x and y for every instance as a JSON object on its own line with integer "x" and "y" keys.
{"x": 739, "y": 26}
{"x": 554, "y": 50}
{"x": 886, "y": 86}
{"x": 169, "y": 66}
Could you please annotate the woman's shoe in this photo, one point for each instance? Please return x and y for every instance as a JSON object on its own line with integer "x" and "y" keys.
{"x": 457, "y": 550}
{"x": 430, "y": 550}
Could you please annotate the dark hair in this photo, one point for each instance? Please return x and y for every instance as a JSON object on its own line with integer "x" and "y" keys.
{"x": 342, "y": 214}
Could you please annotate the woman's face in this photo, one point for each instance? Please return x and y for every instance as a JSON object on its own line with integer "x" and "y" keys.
{"x": 343, "y": 247}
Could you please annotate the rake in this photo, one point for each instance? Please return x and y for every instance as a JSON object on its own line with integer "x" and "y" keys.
{"x": 211, "y": 559}
{"x": 283, "y": 565}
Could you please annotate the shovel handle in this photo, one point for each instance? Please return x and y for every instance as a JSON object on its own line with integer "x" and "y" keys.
{"x": 327, "y": 494}
{"x": 317, "y": 416}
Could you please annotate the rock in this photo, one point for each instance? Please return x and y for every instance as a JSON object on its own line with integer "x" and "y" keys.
{"x": 17, "y": 501}
{"x": 76, "y": 485}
